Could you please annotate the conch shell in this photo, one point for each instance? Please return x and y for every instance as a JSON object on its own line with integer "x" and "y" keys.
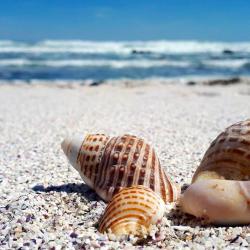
{"x": 107, "y": 164}
{"x": 132, "y": 211}
{"x": 221, "y": 185}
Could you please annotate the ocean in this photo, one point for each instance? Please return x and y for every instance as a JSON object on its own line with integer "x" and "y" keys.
{"x": 91, "y": 60}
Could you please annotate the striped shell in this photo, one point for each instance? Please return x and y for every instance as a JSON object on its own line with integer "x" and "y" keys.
{"x": 220, "y": 190}
{"x": 133, "y": 211}
{"x": 107, "y": 164}
{"x": 228, "y": 156}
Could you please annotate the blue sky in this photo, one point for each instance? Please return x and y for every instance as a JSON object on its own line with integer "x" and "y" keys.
{"x": 219, "y": 20}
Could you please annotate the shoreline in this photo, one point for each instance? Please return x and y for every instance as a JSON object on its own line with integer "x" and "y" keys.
{"x": 127, "y": 82}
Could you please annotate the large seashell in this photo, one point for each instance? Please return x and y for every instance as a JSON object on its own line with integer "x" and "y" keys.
{"x": 221, "y": 185}
{"x": 132, "y": 211}
{"x": 107, "y": 164}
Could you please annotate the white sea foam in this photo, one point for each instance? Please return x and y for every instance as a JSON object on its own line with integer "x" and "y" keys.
{"x": 14, "y": 62}
{"x": 229, "y": 63}
{"x": 164, "y": 46}
{"x": 95, "y": 63}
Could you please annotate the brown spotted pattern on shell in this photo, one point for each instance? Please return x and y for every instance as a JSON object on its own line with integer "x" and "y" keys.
{"x": 109, "y": 163}
{"x": 228, "y": 156}
{"x": 220, "y": 190}
{"x": 133, "y": 211}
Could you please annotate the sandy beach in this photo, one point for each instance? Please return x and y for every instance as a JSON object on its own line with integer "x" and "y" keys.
{"x": 44, "y": 204}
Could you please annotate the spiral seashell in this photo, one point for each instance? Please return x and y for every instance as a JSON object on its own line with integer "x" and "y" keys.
{"x": 107, "y": 164}
{"x": 220, "y": 189}
{"x": 132, "y": 211}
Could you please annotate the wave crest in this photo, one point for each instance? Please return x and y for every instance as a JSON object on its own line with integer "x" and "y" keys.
{"x": 125, "y": 47}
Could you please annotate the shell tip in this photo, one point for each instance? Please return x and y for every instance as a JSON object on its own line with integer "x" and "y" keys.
{"x": 65, "y": 145}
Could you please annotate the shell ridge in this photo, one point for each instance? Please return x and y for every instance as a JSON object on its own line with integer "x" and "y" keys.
{"x": 151, "y": 176}
{"x": 133, "y": 164}
{"x": 139, "y": 160}
{"x": 157, "y": 180}
{"x": 103, "y": 159}
{"x": 143, "y": 169}
{"x": 87, "y": 158}
{"x": 107, "y": 164}
{"x": 169, "y": 192}
{"x": 95, "y": 170}
{"x": 81, "y": 158}
{"x": 148, "y": 168}
{"x": 124, "y": 181}
{"x": 79, "y": 153}
{"x": 104, "y": 162}
{"x": 117, "y": 173}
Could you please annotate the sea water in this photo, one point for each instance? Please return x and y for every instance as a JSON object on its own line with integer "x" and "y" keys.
{"x": 81, "y": 60}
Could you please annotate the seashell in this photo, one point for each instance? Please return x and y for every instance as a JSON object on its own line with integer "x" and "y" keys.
{"x": 220, "y": 189}
{"x": 132, "y": 211}
{"x": 107, "y": 164}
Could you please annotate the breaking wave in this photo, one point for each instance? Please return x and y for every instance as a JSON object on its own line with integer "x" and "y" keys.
{"x": 78, "y": 46}
{"x": 94, "y": 63}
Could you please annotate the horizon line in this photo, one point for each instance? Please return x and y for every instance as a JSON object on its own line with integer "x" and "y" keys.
{"x": 122, "y": 40}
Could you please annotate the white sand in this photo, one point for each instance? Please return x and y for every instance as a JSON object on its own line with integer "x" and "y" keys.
{"x": 43, "y": 202}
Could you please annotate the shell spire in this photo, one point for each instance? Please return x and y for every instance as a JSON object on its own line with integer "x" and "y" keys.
{"x": 220, "y": 189}
{"x": 133, "y": 211}
{"x": 107, "y": 164}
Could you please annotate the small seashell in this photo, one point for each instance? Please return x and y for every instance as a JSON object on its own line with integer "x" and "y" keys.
{"x": 221, "y": 188}
{"x": 107, "y": 164}
{"x": 132, "y": 211}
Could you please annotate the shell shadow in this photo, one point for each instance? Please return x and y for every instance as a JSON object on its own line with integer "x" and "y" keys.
{"x": 179, "y": 218}
{"x": 81, "y": 189}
